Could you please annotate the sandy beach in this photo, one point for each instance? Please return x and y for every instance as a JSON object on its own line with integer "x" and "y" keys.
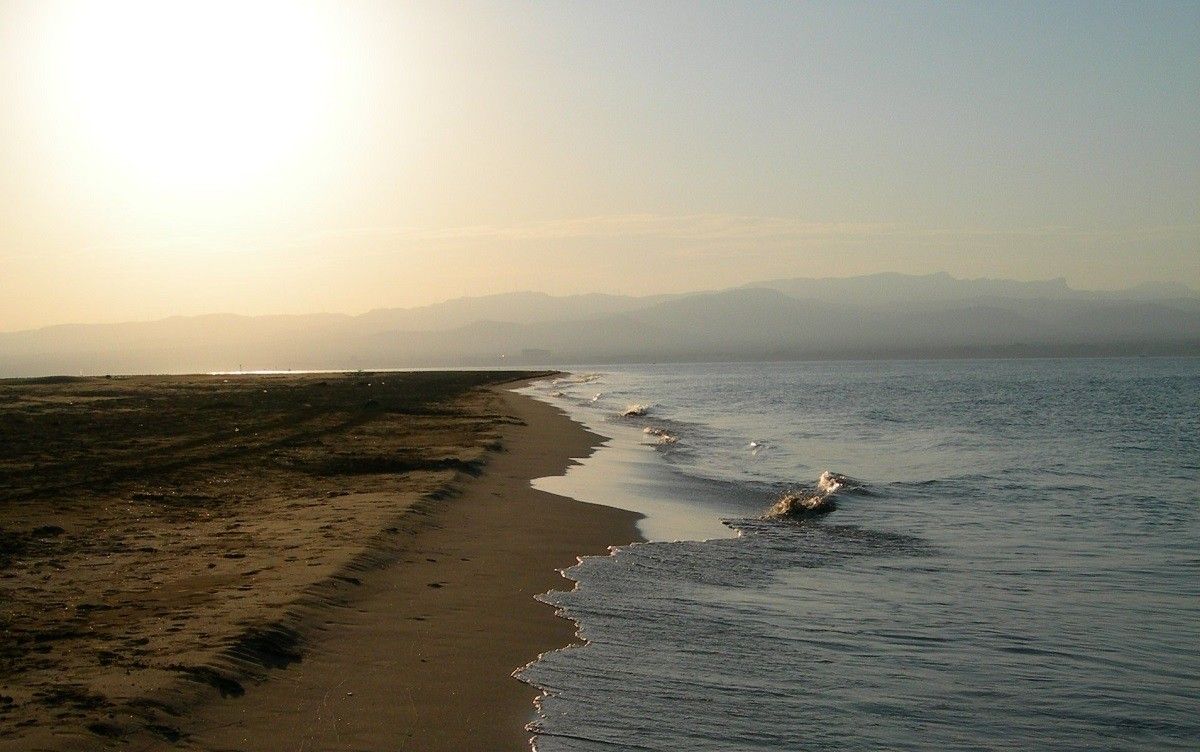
{"x": 339, "y": 561}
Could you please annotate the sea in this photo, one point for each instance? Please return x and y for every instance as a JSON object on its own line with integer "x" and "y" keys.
{"x": 1013, "y": 562}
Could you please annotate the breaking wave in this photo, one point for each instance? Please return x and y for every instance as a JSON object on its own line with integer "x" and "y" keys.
{"x": 662, "y": 435}
{"x": 803, "y": 503}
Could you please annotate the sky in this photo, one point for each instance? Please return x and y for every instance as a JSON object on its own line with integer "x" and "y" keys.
{"x": 175, "y": 158}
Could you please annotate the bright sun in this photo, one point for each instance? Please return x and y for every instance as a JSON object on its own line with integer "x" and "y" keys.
{"x": 197, "y": 94}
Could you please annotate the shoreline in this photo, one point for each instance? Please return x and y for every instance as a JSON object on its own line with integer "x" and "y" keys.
{"x": 407, "y": 635}
{"x": 465, "y": 639}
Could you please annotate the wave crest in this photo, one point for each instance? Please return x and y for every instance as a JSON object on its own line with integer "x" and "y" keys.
{"x": 831, "y": 483}
{"x": 800, "y": 504}
{"x": 663, "y": 436}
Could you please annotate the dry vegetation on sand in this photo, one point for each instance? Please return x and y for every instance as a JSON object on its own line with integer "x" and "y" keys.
{"x": 163, "y": 538}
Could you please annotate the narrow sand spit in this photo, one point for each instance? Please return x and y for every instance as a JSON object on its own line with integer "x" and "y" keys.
{"x": 299, "y": 562}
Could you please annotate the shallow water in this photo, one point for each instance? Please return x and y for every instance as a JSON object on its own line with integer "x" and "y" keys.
{"x": 1022, "y": 571}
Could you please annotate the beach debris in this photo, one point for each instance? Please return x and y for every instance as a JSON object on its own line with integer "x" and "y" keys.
{"x": 597, "y": 396}
{"x": 635, "y": 410}
{"x": 557, "y": 393}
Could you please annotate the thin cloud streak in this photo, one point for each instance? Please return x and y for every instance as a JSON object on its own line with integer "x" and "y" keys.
{"x": 710, "y": 227}
{"x": 697, "y": 228}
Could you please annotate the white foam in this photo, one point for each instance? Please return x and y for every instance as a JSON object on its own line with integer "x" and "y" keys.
{"x": 663, "y": 436}
{"x": 799, "y": 504}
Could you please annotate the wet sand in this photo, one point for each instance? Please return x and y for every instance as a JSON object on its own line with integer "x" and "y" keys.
{"x": 354, "y": 568}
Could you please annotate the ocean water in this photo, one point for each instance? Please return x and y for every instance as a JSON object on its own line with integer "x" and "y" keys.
{"x": 1021, "y": 569}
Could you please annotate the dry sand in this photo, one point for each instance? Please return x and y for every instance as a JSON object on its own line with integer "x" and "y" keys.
{"x": 353, "y": 567}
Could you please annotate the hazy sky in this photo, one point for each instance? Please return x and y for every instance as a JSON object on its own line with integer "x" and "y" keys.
{"x": 163, "y": 158}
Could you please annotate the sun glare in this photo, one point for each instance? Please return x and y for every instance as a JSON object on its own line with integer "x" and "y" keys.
{"x": 196, "y": 94}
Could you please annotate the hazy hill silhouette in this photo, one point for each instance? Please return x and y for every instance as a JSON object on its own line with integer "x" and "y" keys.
{"x": 875, "y": 316}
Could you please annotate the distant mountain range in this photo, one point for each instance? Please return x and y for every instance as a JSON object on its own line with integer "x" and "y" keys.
{"x": 874, "y": 316}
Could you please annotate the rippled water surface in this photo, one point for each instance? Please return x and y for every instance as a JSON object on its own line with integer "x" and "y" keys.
{"x": 1022, "y": 572}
